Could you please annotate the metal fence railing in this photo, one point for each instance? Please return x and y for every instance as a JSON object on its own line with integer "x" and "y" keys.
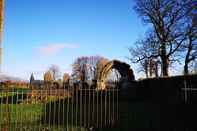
{"x": 58, "y": 109}
{"x": 189, "y": 91}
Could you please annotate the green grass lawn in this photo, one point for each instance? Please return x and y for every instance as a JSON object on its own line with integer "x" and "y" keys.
{"x": 12, "y": 92}
{"x": 14, "y": 117}
{"x": 20, "y": 113}
{"x": 6, "y": 94}
{"x": 36, "y": 113}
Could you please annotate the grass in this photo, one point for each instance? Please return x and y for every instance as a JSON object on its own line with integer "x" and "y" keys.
{"x": 14, "y": 117}
{"x": 12, "y": 92}
{"x": 6, "y": 94}
{"x": 41, "y": 128}
{"x": 19, "y": 113}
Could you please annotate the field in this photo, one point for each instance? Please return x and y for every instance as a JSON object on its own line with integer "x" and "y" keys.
{"x": 20, "y": 113}
{"x": 26, "y": 116}
{"x": 20, "y": 109}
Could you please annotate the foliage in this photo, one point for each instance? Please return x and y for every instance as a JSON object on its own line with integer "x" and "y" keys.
{"x": 48, "y": 76}
{"x": 66, "y": 78}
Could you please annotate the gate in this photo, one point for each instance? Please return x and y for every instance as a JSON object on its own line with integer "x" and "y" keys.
{"x": 58, "y": 109}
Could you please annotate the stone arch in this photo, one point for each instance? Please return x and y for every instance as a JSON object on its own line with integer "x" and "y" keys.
{"x": 124, "y": 69}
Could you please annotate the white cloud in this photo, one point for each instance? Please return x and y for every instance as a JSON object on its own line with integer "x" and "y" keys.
{"x": 50, "y": 49}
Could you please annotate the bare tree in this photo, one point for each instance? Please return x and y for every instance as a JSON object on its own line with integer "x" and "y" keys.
{"x": 80, "y": 69}
{"x": 84, "y": 68}
{"x": 191, "y": 51}
{"x": 153, "y": 67}
{"x": 55, "y": 72}
{"x": 190, "y": 44}
{"x": 165, "y": 18}
{"x": 145, "y": 52}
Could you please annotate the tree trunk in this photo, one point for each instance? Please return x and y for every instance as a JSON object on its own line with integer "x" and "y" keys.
{"x": 146, "y": 68}
{"x": 165, "y": 67}
{"x": 187, "y": 57}
{"x": 156, "y": 70}
{"x": 186, "y": 71}
{"x": 164, "y": 59}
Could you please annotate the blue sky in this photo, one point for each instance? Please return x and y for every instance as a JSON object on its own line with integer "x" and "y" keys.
{"x": 38, "y": 33}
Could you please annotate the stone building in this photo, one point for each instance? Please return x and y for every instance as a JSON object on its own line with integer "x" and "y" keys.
{"x": 49, "y": 82}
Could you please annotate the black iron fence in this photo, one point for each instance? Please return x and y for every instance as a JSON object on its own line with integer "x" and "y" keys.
{"x": 58, "y": 109}
{"x": 156, "y": 104}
